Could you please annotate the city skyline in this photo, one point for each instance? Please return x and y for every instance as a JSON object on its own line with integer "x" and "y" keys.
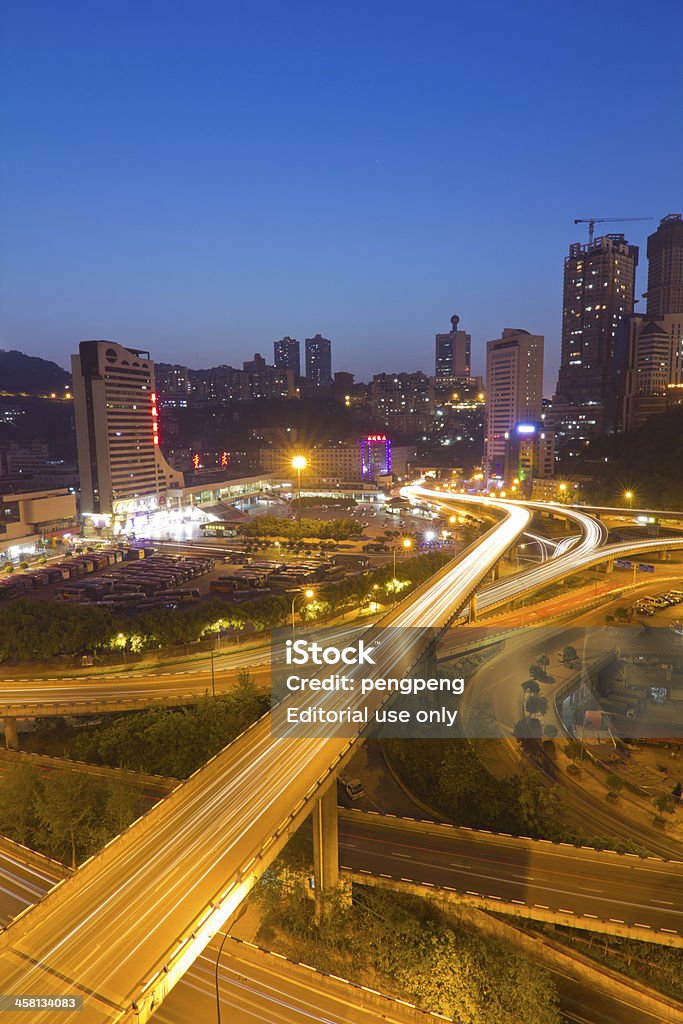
{"x": 218, "y": 210}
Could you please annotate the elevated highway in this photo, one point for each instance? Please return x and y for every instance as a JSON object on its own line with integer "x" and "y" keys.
{"x": 257, "y": 988}
{"x": 254, "y": 986}
{"x": 127, "y": 925}
{"x": 624, "y": 895}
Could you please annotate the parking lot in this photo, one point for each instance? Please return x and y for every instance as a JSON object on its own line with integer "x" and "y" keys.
{"x": 650, "y": 606}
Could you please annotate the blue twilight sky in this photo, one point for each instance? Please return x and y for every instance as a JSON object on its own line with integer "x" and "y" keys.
{"x": 201, "y": 178}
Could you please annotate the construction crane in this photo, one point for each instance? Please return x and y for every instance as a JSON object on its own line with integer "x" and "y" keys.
{"x": 592, "y": 221}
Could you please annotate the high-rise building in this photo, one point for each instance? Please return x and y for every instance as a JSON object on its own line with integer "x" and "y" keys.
{"x": 122, "y": 470}
{"x": 287, "y": 355}
{"x": 514, "y": 391}
{"x": 599, "y": 292}
{"x": 265, "y": 381}
{"x": 653, "y": 342}
{"x": 403, "y": 401}
{"x": 453, "y": 352}
{"x": 319, "y": 360}
{"x": 172, "y": 380}
{"x": 665, "y": 268}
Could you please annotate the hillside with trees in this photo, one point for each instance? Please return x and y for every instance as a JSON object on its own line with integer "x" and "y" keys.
{"x": 30, "y": 375}
{"x": 647, "y": 461}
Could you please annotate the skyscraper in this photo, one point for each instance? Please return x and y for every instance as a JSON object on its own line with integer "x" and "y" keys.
{"x": 121, "y": 468}
{"x": 665, "y": 268}
{"x": 599, "y": 291}
{"x": 319, "y": 360}
{"x": 453, "y": 352}
{"x": 654, "y": 340}
{"x": 514, "y": 391}
{"x": 287, "y": 355}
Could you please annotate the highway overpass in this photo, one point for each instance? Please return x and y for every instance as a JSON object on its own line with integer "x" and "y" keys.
{"x": 257, "y": 988}
{"x": 254, "y": 986}
{"x": 616, "y": 894}
{"x": 128, "y": 924}
{"x": 86, "y": 694}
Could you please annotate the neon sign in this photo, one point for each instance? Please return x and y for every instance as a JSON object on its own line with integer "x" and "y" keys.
{"x": 155, "y": 419}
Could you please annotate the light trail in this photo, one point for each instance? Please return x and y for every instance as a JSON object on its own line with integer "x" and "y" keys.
{"x": 128, "y": 924}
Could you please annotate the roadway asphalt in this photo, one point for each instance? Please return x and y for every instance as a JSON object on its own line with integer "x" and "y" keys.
{"x": 253, "y": 985}
{"x": 497, "y": 686}
{"x": 21, "y": 883}
{"x": 150, "y": 900}
{"x": 611, "y": 887}
{"x": 260, "y": 989}
{"x": 256, "y": 986}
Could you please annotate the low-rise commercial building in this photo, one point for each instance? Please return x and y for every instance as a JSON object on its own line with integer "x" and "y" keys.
{"x": 27, "y": 519}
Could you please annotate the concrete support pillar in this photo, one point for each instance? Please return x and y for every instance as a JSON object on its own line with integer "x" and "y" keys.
{"x": 663, "y": 555}
{"x": 495, "y": 572}
{"x": 11, "y": 734}
{"x": 609, "y": 566}
{"x": 325, "y": 847}
{"x": 473, "y": 608}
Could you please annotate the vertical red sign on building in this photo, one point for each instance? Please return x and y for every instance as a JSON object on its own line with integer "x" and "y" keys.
{"x": 155, "y": 419}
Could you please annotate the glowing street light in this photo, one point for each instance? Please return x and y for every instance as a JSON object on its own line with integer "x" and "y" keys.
{"x": 406, "y": 544}
{"x": 299, "y": 462}
{"x": 629, "y": 496}
{"x": 307, "y": 595}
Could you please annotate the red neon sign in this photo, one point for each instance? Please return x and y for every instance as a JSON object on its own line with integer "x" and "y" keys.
{"x": 155, "y": 419}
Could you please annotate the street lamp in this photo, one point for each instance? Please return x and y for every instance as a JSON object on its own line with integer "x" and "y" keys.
{"x": 218, "y": 993}
{"x": 213, "y": 676}
{"x": 406, "y": 544}
{"x": 628, "y": 497}
{"x": 307, "y": 595}
{"x": 299, "y": 462}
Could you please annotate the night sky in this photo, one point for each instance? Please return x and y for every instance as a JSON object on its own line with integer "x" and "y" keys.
{"x": 202, "y": 178}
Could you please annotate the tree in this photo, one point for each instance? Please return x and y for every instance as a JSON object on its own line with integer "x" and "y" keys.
{"x": 18, "y": 788}
{"x": 543, "y": 660}
{"x": 531, "y": 686}
{"x": 569, "y": 654}
{"x": 540, "y": 806}
{"x": 614, "y": 784}
{"x": 535, "y": 671}
{"x": 536, "y": 705}
{"x": 665, "y": 804}
{"x": 574, "y": 750}
{"x": 549, "y": 732}
{"x": 70, "y": 807}
{"x": 527, "y": 729}
{"x": 124, "y": 803}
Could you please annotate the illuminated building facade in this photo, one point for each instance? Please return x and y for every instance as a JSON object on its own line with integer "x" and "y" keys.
{"x": 529, "y": 456}
{"x": 654, "y": 341}
{"x": 287, "y": 355}
{"x": 514, "y": 391}
{"x": 121, "y": 468}
{"x": 403, "y": 401}
{"x": 375, "y": 456}
{"x": 453, "y": 352}
{"x": 599, "y": 292}
{"x": 319, "y": 360}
